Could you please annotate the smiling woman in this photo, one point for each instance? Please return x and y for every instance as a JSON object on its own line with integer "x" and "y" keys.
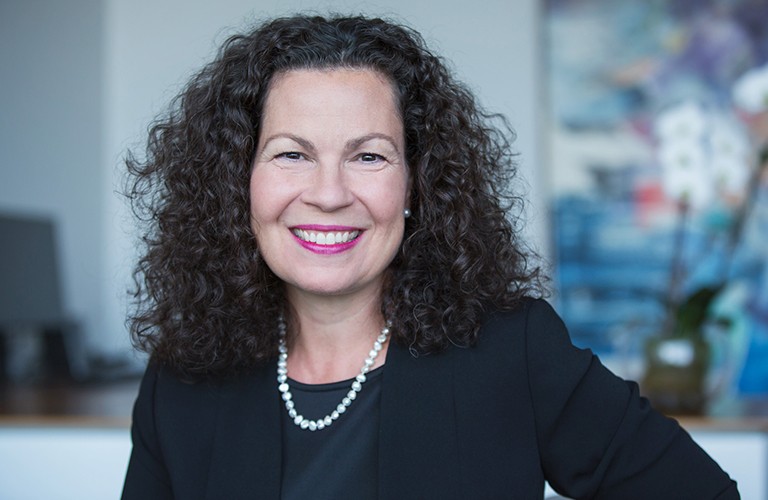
{"x": 330, "y": 162}
{"x": 338, "y": 305}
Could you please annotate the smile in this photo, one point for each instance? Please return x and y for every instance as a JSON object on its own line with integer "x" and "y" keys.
{"x": 326, "y": 238}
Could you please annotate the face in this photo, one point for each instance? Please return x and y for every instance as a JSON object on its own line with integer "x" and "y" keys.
{"x": 329, "y": 181}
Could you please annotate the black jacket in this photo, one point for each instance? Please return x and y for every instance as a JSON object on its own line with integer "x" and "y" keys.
{"x": 488, "y": 422}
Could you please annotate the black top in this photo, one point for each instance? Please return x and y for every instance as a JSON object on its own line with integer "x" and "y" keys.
{"x": 340, "y": 461}
{"x": 492, "y": 422}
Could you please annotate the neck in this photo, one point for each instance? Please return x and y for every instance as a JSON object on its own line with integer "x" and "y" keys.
{"x": 331, "y": 336}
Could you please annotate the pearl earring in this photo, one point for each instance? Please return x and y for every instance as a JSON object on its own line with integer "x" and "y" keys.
{"x": 406, "y": 213}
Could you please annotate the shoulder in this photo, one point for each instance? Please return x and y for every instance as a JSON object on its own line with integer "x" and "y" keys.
{"x": 532, "y": 325}
{"x": 516, "y": 347}
{"x": 528, "y": 312}
{"x": 511, "y": 336}
{"x": 173, "y": 407}
{"x": 166, "y": 387}
{"x": 529, "y": 348}
{"x": 164, "y": 397}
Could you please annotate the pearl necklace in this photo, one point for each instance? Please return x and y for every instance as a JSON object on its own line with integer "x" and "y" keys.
{"x": 357, "y": 383}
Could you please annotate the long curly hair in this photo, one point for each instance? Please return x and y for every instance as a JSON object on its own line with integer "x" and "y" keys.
{"x": 207, "y": 305}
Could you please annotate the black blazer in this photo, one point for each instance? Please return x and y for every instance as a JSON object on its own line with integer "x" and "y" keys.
{"x": 487, "y": 422}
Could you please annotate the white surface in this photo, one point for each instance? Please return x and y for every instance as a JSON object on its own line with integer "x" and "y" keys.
{"x": 744, "y": 455}
{"x": 62, "y": 463}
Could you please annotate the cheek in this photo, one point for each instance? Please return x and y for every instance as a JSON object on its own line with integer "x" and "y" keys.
{"x": 386, "y": 207}
{"x": 255, "y": 198}
{"x": 261, "y": 205}
{"x": 396, "y": 196}
{"x": 262, "y": 222}
{"x": 264, "y": 197}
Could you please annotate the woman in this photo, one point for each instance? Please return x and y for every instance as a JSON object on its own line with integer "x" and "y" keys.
{"x": 337, "y": 306}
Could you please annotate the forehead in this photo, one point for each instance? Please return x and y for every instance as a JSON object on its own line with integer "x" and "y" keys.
{"x": 331, "y": 105}
{"x": 293, "y": 85}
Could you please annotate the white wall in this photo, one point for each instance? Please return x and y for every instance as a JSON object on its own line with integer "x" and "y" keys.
{"x": 82, "y": 79}
{"x": 50, "y": 134}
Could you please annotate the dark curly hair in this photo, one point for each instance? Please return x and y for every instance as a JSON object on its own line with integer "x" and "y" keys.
{"x": 207, "y": 305}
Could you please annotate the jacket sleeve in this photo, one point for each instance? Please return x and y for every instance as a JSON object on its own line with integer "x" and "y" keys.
{"x": 597, "y": 437}
{"x": 147, "y": 477}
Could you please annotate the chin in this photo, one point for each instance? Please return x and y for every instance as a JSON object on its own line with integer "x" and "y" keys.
{"x": 321, "y": 287}
{"x": 328, "y": 288}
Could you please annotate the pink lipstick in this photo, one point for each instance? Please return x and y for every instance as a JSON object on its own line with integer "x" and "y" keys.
{"x": 326, "y": 240}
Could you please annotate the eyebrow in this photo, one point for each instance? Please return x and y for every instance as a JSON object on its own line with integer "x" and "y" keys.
{"x": 303, "y": 142}
{"x": 350, "y": 145}
{"x": 356, "y": 143}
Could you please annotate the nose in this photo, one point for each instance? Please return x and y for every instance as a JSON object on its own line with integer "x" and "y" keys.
{"x": 329, "y": 188}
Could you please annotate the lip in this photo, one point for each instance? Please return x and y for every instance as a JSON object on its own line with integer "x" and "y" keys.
{"x": 324, "y": 228}
{"x": 327, "y": 249}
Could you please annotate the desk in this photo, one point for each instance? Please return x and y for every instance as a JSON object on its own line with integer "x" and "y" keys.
{"x": 65, "y": 403}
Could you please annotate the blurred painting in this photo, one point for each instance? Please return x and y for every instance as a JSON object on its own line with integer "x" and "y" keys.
{"x": 654, "y": 134}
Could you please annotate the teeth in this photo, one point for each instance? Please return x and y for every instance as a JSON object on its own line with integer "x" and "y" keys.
{"x": 329, "y": 238}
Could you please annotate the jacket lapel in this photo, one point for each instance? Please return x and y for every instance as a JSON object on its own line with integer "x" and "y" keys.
{"x": 246, "y": 461}
{"x": 418, "y": 454}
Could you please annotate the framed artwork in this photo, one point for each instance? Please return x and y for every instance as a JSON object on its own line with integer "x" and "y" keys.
{"x": 654, "y": 164}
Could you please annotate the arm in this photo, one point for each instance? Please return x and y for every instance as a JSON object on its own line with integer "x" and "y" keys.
{"x": 147, "y": 477}
{"x": 598, "y": 438}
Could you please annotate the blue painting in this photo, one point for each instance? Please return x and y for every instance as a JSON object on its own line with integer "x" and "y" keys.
{"x": 658, "y": 116}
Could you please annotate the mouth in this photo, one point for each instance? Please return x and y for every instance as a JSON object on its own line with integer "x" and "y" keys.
{"x": 326, "y": 238}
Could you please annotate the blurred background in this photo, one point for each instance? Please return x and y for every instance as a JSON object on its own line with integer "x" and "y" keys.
{"x": 579, "y": 81}
{"x": 656, "y": 142}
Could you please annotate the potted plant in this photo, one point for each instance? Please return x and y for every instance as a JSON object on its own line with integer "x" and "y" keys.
{"x": 708, "y": 159}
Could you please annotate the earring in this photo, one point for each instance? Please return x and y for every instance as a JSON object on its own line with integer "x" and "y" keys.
{"x": 406, "y": 213}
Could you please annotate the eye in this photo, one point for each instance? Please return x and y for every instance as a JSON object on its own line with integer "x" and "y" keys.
{"x": 290, "y": 156}
{"x": 292, "y": 160}
{"x": 371, "y": 158}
